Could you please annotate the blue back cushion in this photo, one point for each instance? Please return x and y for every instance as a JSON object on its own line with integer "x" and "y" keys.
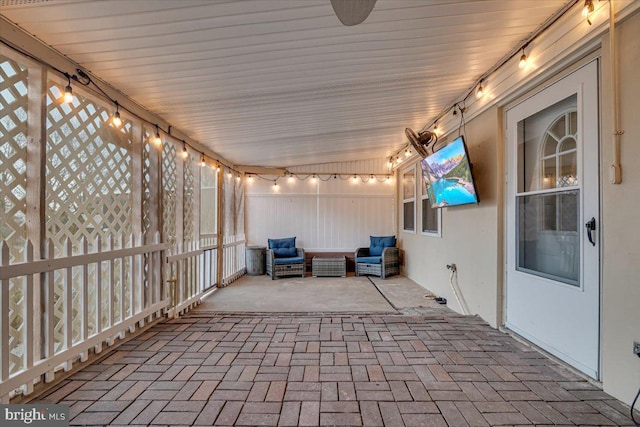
{"x": 379, "y": 243}
{"x": 283, "y": 248}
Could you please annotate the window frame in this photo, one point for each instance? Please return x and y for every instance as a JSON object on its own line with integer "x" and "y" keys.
{"x": 424, "y": 195}
{"x": 408, "y": 171}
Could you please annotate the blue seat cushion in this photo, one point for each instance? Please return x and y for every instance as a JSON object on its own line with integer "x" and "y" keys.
{"x": 378, "y": 244}
{"x": 369, "y": 260}
{"x": 293, "y": 260}
{"x": 283, "y": 248}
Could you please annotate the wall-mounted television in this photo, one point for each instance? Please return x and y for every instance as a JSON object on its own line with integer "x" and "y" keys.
{"x": 447, "y": 173}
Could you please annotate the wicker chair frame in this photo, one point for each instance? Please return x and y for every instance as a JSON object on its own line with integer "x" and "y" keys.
{"x": 390, "y": 265}
{"x": 281, "y": 270}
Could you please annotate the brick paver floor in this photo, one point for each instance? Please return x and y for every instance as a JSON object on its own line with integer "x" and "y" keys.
{"x": 425, "y": 369}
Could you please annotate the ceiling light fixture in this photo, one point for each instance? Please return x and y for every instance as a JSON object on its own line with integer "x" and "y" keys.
{"x": 351, "y": 12}
{"x": 117, "y": 121}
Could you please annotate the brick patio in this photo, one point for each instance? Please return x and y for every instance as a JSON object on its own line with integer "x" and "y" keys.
{"x": 430, "y": 368}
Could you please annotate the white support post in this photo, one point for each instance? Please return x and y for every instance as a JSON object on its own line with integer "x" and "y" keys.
{"x": 48, "y": 305}
{"x": 97, "y": 248}
{"x": 84, "y": 280}
{"x": 4, "y": 316}
{"x": 29, "y": 317}
{"x": 68, "y": 303}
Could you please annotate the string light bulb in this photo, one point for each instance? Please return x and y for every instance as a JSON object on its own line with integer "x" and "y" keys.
{"x": 185, "y": 153}
{"x": 229, "y": 175}
{"x": 117, "y": 121}
{"x": 156, "y": 139}
{"x": 480, "y": 90}
{"x": 314, "y": 179}
{"x": 388, "y": 179}
{"x": 202, "y": 161}
{"x": 355, "y": 178}
{"x": 436, "y": 129}
{"x": 238, "y": 177}
{"x": 407, "y": 152}
{"x": 587, "y": 9}
{"x": 276, "y": 187}
{"x": 68, "y": 91}
{"x": 372, "y": 179}
{"x": 523, "y": 60}
{"x": 291, "y": 178}
{"x": 390, "y": 164}
{"x": 250, "y": 178}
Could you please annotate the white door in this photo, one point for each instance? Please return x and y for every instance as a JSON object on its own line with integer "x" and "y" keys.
{"x": 553, "y": 264}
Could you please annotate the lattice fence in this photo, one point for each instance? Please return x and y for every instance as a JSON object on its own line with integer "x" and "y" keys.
{"x": 169, "y": 200}
{"x": 13, "y": 192}
{"x": 88, "y": 195}
{"x": 146, "y": 183}
{"x": 189, "y": 199}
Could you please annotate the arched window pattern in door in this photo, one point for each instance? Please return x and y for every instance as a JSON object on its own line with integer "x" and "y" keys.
{"x": 559, "y": 152}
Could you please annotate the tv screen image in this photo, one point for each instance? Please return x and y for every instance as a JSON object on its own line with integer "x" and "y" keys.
{"x": 447, "y": 173}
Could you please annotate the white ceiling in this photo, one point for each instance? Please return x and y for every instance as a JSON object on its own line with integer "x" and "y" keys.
{"x": 283, "y": 82}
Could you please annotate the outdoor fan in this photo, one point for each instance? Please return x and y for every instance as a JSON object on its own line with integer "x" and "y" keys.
{"x": 421, "y": 141}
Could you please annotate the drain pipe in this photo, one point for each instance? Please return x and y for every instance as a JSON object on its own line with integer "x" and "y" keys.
{"x": 615, "y": 170}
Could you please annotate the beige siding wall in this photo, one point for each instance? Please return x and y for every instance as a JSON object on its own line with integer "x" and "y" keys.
{"x": 620, "y": 226}
{"x": 471, "y": 237}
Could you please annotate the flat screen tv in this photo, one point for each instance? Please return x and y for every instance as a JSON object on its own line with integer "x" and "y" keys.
{"x": 447, "y": 173}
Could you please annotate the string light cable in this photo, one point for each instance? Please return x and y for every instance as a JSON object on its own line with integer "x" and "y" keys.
{"x": 85, "y": 80}
{"x": 520, "y": 47}
{"x": 324, "y": 177}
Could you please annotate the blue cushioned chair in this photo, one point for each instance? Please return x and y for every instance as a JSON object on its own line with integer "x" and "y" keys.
{"x": 381, "y": 258}
{"x": 284, "y": 259}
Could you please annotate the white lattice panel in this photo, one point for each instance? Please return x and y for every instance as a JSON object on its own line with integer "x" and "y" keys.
{"x": 89, "y": 171}
{"x": 146, "y": 182}
{"x": 13, "y": 191}
{"x": 169, "y": 202}
{"x": 169, "y": 187}
{"x": 189, "y": 199}
{"x": 88, "y": 194}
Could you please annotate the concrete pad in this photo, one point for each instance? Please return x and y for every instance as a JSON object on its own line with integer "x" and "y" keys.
{"x": 260, "y": 294}
{"x": 405, "y": 293}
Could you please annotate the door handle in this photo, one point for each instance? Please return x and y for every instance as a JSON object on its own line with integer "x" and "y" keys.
{"x": 591, "y": 226}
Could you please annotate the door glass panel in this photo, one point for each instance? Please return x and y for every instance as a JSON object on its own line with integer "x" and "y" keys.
{"x": 548, "y": 241}
{"x": 568, "y": 170}
{"x": 542, "y": 138}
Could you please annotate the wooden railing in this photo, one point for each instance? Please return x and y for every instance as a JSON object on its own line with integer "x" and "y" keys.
{"x": 233, "y": 258}
{"x": 73, "y": 304}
